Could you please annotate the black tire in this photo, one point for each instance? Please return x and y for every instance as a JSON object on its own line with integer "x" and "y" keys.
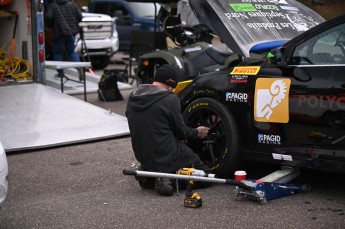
{"x": 306, "y": 188}
{"x": 220, "y": 150}
{"x": 99, "y": 62}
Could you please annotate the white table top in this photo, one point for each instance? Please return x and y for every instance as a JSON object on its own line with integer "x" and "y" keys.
{"x": 66, "y": 64}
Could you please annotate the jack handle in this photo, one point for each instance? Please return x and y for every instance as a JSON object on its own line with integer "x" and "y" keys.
{"x": 240, "y": 184}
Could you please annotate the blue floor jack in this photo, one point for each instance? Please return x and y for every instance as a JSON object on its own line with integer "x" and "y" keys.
{"x": 272, "y": 186}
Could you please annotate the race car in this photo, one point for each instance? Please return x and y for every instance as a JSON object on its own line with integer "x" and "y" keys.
{"x": 287, "y": 108}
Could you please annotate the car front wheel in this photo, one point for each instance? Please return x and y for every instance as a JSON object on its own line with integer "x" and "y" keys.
{"x": 220, "y": 149}
{"x": 99, "y": 62}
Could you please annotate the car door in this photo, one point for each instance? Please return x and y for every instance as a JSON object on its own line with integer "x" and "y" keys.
{"x": 124, "y": 21}
{"x": 317, "y": 93}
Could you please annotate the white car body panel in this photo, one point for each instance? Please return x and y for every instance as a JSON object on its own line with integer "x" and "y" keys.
{"x": 98, "y": 43}
{"x": 3, "y": 175}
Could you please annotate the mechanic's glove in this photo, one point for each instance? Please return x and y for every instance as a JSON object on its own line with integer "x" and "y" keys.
{"x": 202, "y": 131}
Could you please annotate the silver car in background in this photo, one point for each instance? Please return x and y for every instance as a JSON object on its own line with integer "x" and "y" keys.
{"x": 3, "y": 175}
{"x": 101, "y": 39}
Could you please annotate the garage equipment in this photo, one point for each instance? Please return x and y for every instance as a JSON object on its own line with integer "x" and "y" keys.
{"x": 192, "y": 199}
{"x": 9, "y": 65}
{"x": 270, "y": 187}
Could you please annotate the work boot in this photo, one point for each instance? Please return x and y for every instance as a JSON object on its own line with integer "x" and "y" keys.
{"x": 164, "y": 186}
{"x": 145, "y": 182}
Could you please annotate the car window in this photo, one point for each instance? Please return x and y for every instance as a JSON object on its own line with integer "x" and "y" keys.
{"x": 111, "y": 9}
{"x": 326, "y": 48}
{"x": 142, "y": 9}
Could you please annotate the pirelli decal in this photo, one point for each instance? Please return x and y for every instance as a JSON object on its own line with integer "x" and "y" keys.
{"x": 272, "y": 100}
{"x": 249, "y": 70}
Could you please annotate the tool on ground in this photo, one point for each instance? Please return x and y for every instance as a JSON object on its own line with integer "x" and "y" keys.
{"x": 191, "y": 175}
{"x": 186, "y": 177}
{"x": 272, "y": 186}
{"x": 192, "y": 199}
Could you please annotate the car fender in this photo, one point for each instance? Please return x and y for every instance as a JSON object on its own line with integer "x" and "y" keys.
{"x": 219, "y": 85}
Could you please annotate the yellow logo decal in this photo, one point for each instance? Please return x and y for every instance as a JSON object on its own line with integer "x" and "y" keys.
{"x": 272, "y": 100}
{"x": 250, "y": 70}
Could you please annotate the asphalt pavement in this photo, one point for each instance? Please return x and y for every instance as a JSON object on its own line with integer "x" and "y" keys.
{"x": 82, "y": 186}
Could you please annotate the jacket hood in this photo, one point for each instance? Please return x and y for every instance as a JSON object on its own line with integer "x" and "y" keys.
{"x": 146, "y": 95}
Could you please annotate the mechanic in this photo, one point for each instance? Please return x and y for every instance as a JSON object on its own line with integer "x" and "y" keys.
{"x": 158, "y": 131}
{"x": 63, "y": 16}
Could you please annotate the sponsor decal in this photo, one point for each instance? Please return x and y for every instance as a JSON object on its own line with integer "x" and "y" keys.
{"x": 194, "y": 49}
{"x": 259, "y": 14}
{"x": 254, "y": 1}
{"x": 330, "y": 102}
{"x": 277, "y": 1}
{"x": 269, "y": 15}
{"x": 269, "y": 139}
{"x": 197, "y": 106}
{"x": 289, "y": 8}
{"x": 250, "y": 70}
{"x": 267, "y": 26}
{"x": 271, "y": 102}
{"x": 281, "y": 157}
{"x": 236, "y": 97}
{"x": 265, "y": 7}
{"x": 288, "y": 17}
{"x": 239, "y": 79}
{"x": 243, "y": 7}
{"x": 205, "y": 91}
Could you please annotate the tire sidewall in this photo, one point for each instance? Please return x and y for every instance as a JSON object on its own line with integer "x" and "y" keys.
{"x": 100, "y": 62}
{"x": 230, "y": 155}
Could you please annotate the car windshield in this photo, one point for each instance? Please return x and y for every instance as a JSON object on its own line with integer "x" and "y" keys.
{"x": 144, "y": 9}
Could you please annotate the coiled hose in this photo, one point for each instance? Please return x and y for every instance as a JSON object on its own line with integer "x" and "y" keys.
{"x": 13, "y": 68}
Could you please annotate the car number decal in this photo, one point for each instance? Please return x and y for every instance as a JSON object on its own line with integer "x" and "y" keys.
{"x": 271, "y": 102}
{"x": 249, "y": 70}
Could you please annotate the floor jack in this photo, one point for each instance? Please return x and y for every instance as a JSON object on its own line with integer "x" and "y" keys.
{"x": 270, "y": 187}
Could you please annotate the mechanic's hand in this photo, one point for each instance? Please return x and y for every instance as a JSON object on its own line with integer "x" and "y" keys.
{"x": 202, "y": 131}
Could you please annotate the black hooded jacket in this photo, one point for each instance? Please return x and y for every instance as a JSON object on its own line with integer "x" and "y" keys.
{"x": 157, "y": 126}
{"x": 64, "y": 17}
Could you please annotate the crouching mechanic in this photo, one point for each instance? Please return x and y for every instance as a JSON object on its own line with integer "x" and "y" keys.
{"x": 158, "y": 131}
